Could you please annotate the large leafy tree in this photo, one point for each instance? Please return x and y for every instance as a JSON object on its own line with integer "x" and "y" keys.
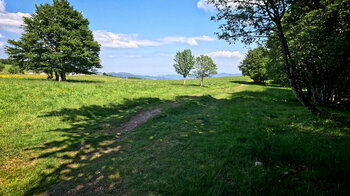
{"x": 56, "y": 40}
{"x": 319, "y": 34}
{"x": 184, "y": 62}
{"x": 275, "y": 66}
{"x": 204, "y": 67}
{"x": 254, "y": 65}
{"x": 254, "y": 20}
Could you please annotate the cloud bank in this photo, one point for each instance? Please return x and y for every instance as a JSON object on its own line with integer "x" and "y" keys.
{"x": 11, "y": 22}
{"x": 115, "y": 40}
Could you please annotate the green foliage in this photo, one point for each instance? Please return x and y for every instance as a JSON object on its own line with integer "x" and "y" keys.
{"x": 254, "y": 65}
{"x": 184, "y": 63}
{"x": 319, "y": 41}
{"x": 317, "y": 34}
{"x": 204, "y": 67}
{"x": 56, "y": 39}
{"x": 248, "y": 21}
{"x": 5, "y": 64}
{"x": 60, "y": 138}
{"x": 275, "y": 68}
{"x": 252, "y": 20}
{"x": 14, "y": 70}
{"x": 2, "y": 67}
{"x": 308, "y": 40}
{"x": 5, "y": 61}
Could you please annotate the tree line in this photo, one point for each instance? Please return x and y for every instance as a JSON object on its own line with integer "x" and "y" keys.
{"x": 304, "y": 44}
{"x": 201, "y": 67}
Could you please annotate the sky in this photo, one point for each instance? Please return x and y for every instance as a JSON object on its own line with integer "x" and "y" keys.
{"x": 139, "y": 36}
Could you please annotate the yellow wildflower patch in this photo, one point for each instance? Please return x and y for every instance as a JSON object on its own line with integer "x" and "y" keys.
{"x": 21, "y": 76}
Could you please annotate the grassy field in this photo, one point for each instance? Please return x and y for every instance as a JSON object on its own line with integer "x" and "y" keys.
{"x": 230, "y": 137}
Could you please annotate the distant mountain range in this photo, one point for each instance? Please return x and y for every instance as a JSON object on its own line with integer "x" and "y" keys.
{"x": 163, "y": 77}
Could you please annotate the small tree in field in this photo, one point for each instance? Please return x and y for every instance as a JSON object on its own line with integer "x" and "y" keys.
{"x": 204, "y": 67}
{"x": 184, "y": 62}
{"x": 56, "y": 40}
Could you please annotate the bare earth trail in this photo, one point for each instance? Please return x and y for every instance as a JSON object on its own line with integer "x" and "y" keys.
{"x": 138, "y": 119}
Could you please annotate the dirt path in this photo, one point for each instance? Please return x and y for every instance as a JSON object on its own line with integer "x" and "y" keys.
{"x": 137, "y": 120}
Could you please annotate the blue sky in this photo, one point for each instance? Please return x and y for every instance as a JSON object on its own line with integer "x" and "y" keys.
{"x": 139, "y": 36}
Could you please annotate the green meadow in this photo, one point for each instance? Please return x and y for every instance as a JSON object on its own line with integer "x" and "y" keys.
{"x": 229, "y": 137}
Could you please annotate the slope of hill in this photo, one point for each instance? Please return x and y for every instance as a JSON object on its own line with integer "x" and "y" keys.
{"x": 230, "y": 137}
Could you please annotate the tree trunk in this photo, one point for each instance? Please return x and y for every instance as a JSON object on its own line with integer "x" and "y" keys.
{"x": 291, "y": 72}
{"x": 201, "y": 79}
{"x": 63, "y": 76}
{"x": 57, "y": 77}
{"x": 184, "y": 81}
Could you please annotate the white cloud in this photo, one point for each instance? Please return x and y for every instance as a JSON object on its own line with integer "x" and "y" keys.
{"x": 226, "y": 54}
{"x": 203, "y": 4}
{"x": 2, "y": 44}
{"x": 193, "y": 41}
{"x": 114, "y": 40}
{"x": 11, "y": 22}
{"x": 1, "y": 36}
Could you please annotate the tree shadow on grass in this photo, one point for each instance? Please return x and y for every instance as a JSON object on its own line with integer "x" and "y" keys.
{"x": 167, "y": 154}
{"x": 86, "y": 149}
{"x": 242, "y": 82}
{"x": 254, "y": 83}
